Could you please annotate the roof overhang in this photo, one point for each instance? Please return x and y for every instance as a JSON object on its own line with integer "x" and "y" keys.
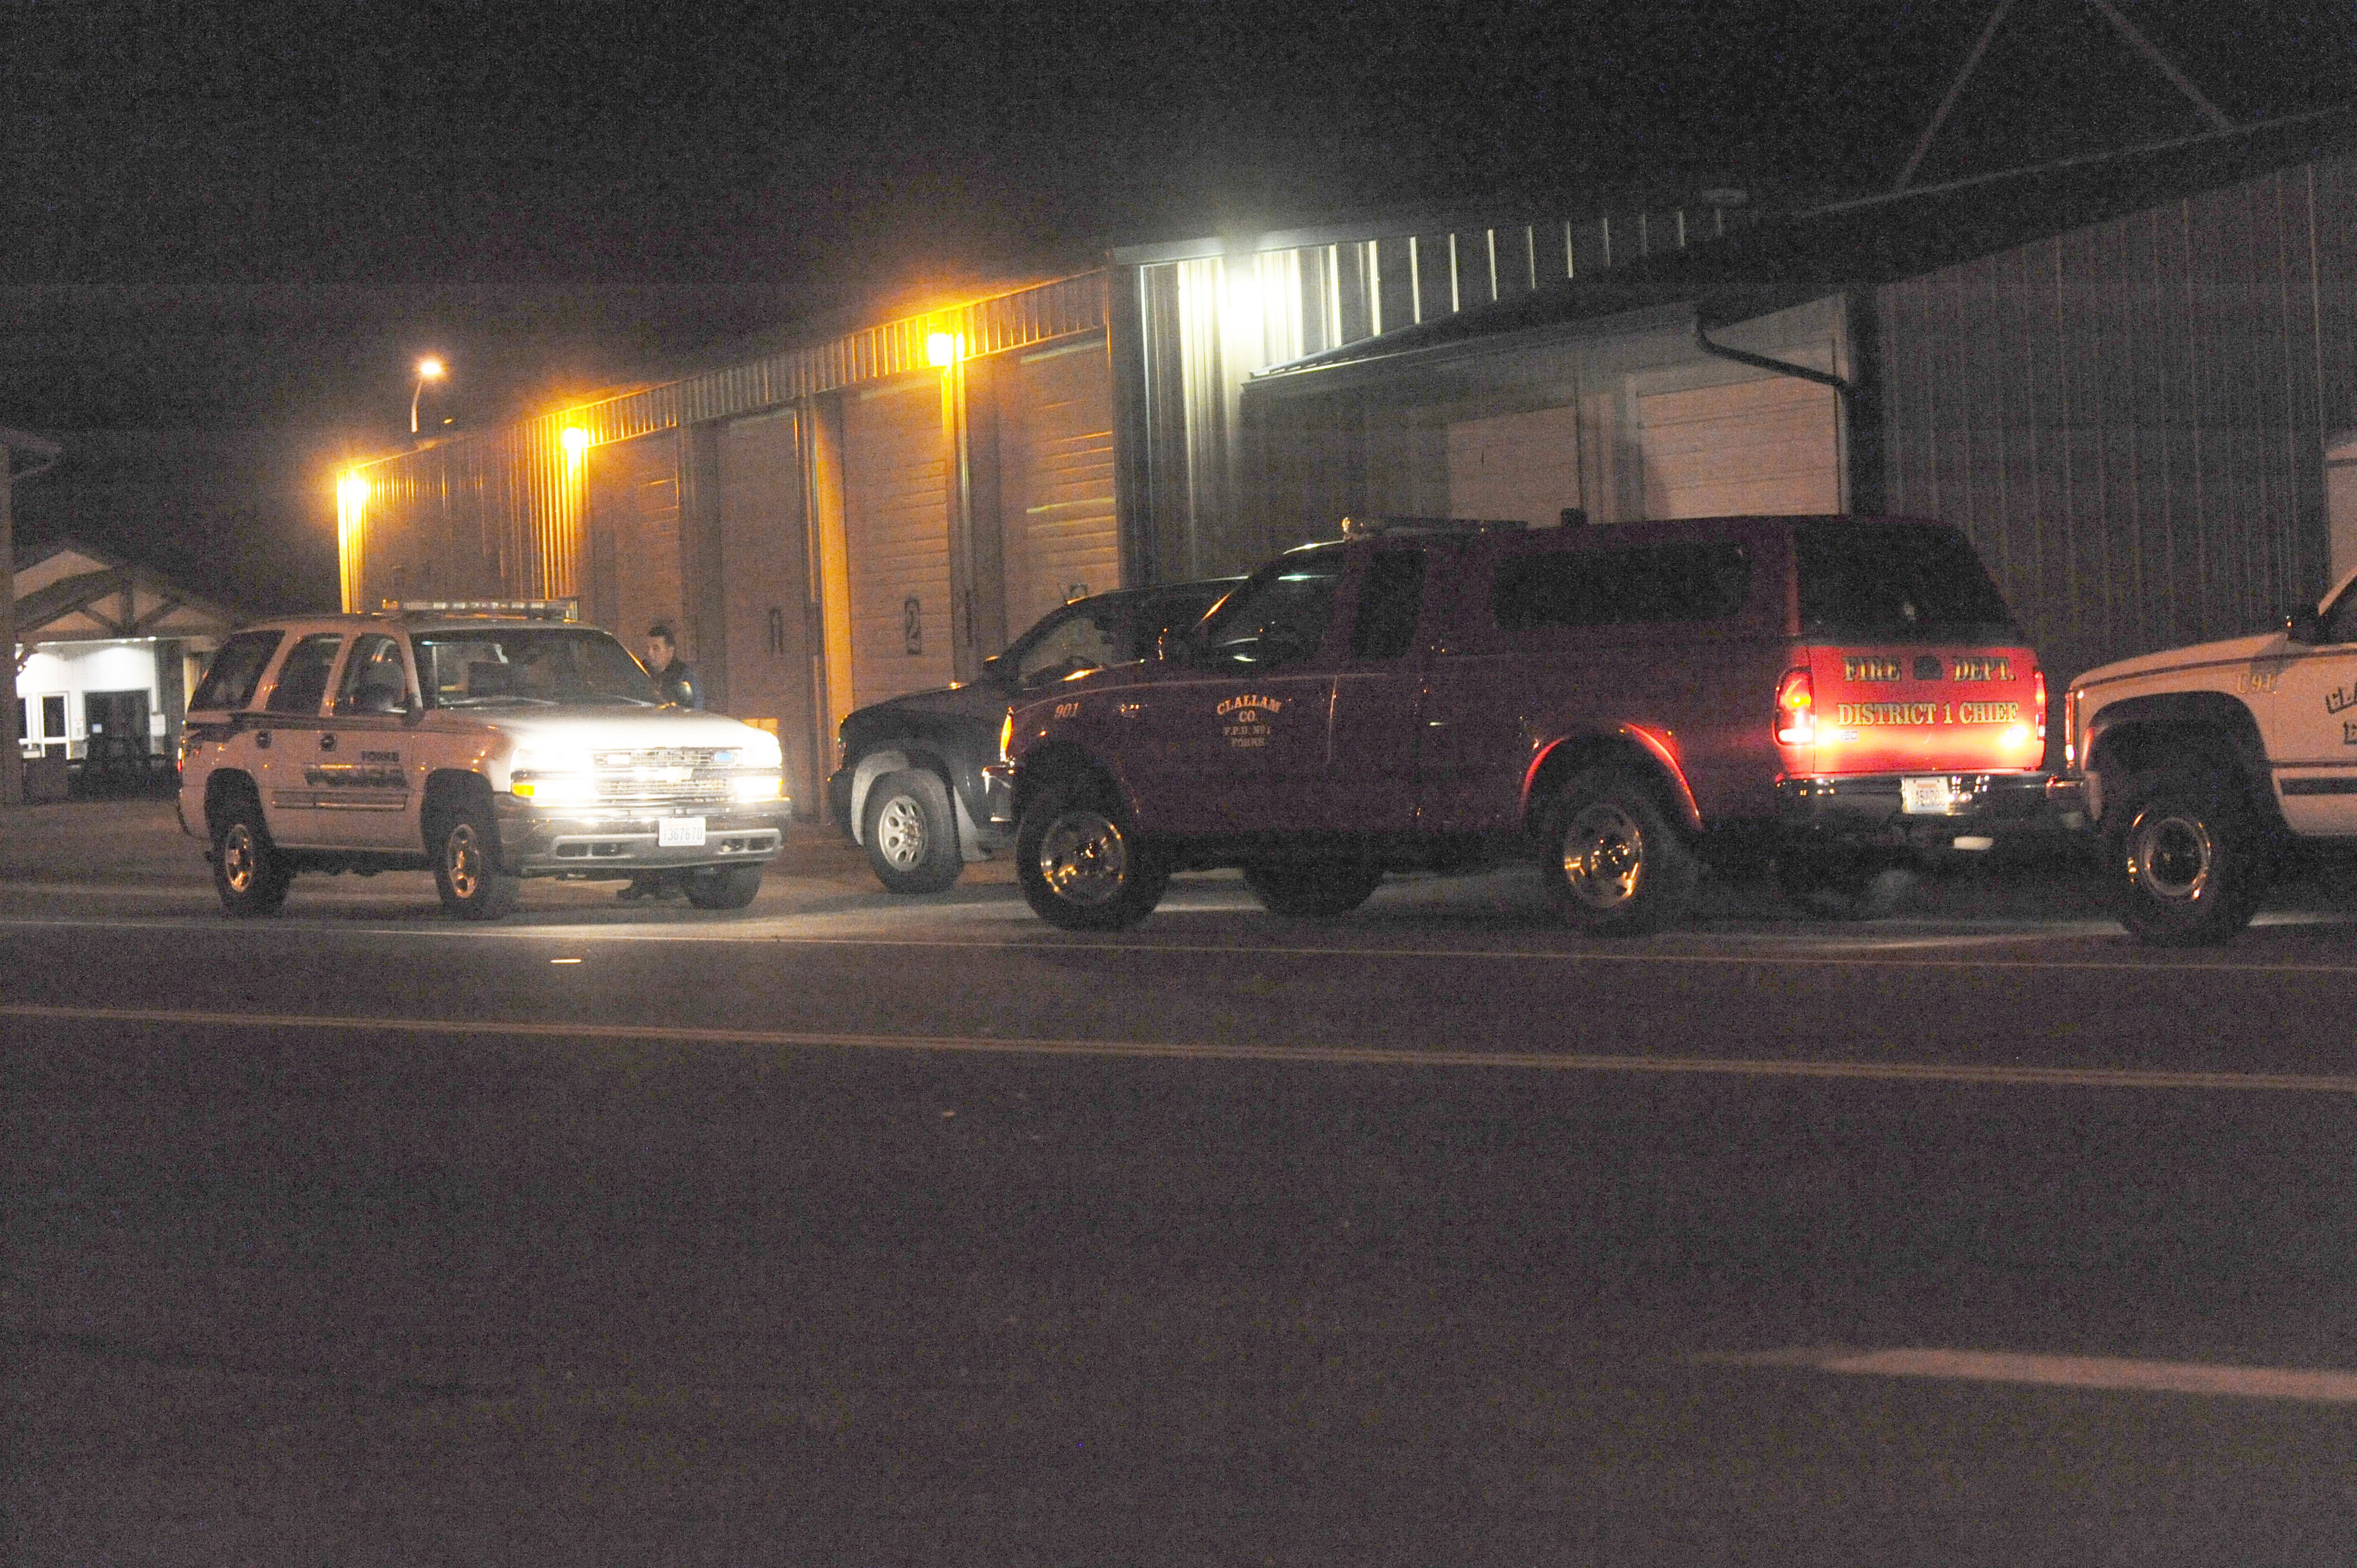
{"x": 28, "y": 454}
{"x": 1795, "y": 258}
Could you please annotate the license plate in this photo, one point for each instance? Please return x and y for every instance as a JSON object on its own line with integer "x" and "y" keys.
{"x": 1925, "y": 797}
{"x": 687, "y": 832}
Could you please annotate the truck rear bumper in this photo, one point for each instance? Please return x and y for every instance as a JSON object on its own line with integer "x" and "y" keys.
{"x": 1913, "y": 809}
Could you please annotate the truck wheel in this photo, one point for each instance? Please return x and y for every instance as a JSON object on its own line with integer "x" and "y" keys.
{"x": 1610, "y": 862}
{"x": 466, "y": 866}
{"x": 723, "y": 886}
{"x": 910, "y": 832}
{"x": 248, "y": 870}
{"x": 1081, "y": 867}
{"x": 2187, "y": 865}
{"x": 1311, "y": 892}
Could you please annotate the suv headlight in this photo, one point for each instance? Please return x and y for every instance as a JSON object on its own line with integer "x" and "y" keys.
{"x": 551, "y": 777}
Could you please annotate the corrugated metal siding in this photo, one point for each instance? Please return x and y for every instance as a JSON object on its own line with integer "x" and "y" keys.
{"x": 2130, "y": 419}
{"x": 1204, "y": 336}
{"x": 506, "y": 508}
{"x": 1056, "y": 461}
{"x": 633, "y": 532}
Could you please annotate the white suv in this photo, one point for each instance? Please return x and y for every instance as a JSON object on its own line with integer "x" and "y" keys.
{"x": 2200, "y": 765}
{"x": 487, "y": 747}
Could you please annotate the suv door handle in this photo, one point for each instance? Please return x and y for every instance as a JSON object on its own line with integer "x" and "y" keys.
{"x": 261, "y": 740}
{"x": 326, "y": 742}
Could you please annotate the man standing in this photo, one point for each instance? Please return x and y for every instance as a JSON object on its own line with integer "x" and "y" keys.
{"x": 675, "y": 676}
{"x": 675, "y": 679}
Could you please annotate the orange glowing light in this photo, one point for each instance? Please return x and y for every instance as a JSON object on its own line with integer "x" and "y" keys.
{"x": 429, "y": 370}
{"x": 576, "y": 439}
{"x": 351, "y": 490}
{"x": 941, "y": 348}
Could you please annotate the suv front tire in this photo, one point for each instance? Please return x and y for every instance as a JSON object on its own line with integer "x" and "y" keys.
{"x": 910, "y": 832}
{"x": 2186, "y": 863}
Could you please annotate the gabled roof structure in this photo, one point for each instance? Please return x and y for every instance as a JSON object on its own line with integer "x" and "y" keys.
{"x": 70, "y": 593}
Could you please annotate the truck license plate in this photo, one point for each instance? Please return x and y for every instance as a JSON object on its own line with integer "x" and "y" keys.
{"x": 1925, "y": 797}
{"x": 687, "y": 832}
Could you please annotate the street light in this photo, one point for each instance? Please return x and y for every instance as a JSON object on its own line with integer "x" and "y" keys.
{"x": 427, "y": 370}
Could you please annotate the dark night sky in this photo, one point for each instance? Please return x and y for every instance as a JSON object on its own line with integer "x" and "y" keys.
{"x": 253, "y": 218}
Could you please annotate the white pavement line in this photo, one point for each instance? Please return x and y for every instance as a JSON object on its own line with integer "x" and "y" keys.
{"x": 1862, "y": 954}
{"x": 1348, "y": 1055}
{"x": 2108, "y": 1372}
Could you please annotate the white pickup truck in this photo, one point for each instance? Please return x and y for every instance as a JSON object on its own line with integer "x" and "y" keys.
{"x": 486, "y": 747}
{"x": 2201, "y": 767}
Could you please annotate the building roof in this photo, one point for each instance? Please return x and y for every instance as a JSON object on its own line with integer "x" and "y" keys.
{"x": 1789, "y": 258}
{"x": 70, "y": 593}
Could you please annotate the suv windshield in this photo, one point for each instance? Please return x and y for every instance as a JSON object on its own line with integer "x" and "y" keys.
{"x": 478, "y": 666}
{"x": 1883, "y": 580}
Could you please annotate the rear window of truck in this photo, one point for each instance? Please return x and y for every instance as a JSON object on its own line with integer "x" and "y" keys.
{"x": 1884, "y": 580}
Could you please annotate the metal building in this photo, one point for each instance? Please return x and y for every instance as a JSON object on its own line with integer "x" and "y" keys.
{"x": 2129, "y": 378}
{"x": 874, "y": 513}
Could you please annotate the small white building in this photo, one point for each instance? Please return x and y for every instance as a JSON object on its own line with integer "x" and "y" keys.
{"x": 106, "y": 653}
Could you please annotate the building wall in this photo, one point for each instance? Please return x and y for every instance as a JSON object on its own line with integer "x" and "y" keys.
{"x": 1623, "y": 419}
{"x": 73, "y": 669}
{"x": 2131, "y": 419}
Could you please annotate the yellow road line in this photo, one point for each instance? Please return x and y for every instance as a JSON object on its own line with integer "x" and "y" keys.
{"x": 1349, "y": 1056}
{"x": 2112, "y": 1374}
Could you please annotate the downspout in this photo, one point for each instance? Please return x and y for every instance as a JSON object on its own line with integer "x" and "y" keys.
{"x": 1861, "y": 416}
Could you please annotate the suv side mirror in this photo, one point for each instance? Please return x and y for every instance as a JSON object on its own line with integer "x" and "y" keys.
{"x": 2304, "y": 627}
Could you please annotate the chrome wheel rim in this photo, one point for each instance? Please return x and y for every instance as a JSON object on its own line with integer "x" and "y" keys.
{"x": 2171, "y": 857}
{"x": 1083, "y": 858}
{"x": 239, "y": 863}
{"x": 900, "y": 833}
{"x": 1603, "y": 856}
{"x": 462, "y": 856}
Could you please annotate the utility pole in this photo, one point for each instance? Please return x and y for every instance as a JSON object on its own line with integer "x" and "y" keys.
{"x": 12, "y": 442}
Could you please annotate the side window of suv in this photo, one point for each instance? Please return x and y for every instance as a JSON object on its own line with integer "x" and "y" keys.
{"x": 1280, "y": 620}
{"x": 1389, "y": 597}
{"x": 303, "y": 679}
{"x": 374, "y": 681}
{"x": 1621, "y": 587}
{"x": 236, "y": 671}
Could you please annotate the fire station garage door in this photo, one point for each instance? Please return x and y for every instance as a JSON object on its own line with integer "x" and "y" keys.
{"x": 1055, "y": 454}
{"x": 1766, "y": 445}
{"x": 897, "y": 536}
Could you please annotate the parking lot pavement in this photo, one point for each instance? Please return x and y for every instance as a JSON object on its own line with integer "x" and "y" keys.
{"x": 112, "y": 850}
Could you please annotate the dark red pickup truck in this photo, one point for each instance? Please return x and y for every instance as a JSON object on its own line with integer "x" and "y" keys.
{"x": 1614, "y": 703}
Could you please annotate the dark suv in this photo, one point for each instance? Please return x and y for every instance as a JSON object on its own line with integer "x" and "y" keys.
{"x": 1614, "y": 703}
{"x": 909, "y": 784}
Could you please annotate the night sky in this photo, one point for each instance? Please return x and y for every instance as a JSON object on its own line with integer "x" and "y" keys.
{"x": 234, "y": 228}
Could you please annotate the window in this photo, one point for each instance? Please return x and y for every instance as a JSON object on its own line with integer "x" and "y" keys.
{"x": 1388, "y": 600}
{"x": 53, "y": 718}
{"x": 374, "y": 680}
{"x": 544, "y": 664}
{"x": 1633, "y": 586}
{"x": 1893, "y": 579}
{"x": 1280, "y": 618}
{"x": 303, "y": 679}
{"x": 235, "y": 671}
{"x": 1081, "y": 640}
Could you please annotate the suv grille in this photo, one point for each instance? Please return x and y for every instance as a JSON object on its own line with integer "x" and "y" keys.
{"x": 662, "y": 775}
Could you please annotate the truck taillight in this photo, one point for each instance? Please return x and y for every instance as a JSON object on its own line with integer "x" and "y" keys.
{"x": 1796, "y": 709}
{"x": 2038, "y": 699}
{"x": 2070, "y": 728}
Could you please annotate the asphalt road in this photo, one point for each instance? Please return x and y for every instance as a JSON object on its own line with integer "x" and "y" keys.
{"x": 862, "y": 1230}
